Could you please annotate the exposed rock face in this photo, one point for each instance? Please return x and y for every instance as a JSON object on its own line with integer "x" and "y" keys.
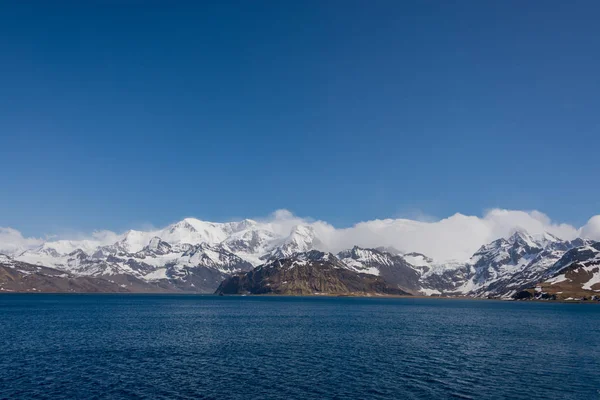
{"x": 307, "y": 273}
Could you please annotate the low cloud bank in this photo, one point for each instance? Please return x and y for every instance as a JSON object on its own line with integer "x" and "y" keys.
{"x": 453, "y": 238}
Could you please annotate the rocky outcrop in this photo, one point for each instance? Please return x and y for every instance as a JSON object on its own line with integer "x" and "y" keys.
{"x": 307, "y": 273}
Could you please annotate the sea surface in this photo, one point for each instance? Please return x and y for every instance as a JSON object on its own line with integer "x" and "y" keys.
{"x": 209, "y": 347}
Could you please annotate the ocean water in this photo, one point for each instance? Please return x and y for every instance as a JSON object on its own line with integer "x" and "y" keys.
{"x": 208, "y": 347}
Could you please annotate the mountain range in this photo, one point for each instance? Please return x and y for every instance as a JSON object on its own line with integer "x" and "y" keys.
{"x": 254, "y": 257}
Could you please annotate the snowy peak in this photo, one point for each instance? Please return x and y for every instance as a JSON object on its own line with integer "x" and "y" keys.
{"x": 242, "y": 225}
{"x": 216, "y": 257}
{"x": 523, "y": 239}
{"x": 185, "y": 232}
{"x": 251, "y": 241}
{"x": 156, "y": 246}
{"x": 63, "y": 247}
{"x": 367, "y": 257}
{"x": 519, "y": 246}
{"x": 301, "y": 239}
{"x": 194, "y": 231}
{"x": 180, "y": 227}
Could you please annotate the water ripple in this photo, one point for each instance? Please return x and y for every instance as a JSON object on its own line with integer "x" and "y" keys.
{"x": 197, "y": 347}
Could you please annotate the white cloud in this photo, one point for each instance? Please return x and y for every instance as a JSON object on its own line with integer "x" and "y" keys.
{"x": 455, "y": 237}
{"x": 12, "y": 241}
{"x": 591, "y": 230}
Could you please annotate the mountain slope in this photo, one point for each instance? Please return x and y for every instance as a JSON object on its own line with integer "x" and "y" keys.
{"x": 16, "y": 276}
{"x": 575, "y": 275}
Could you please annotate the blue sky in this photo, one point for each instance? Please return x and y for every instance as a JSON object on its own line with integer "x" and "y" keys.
{"x": 113, "y": 116}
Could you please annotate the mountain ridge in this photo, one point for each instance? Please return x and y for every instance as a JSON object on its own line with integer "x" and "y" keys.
{"x": 196, "y": 255}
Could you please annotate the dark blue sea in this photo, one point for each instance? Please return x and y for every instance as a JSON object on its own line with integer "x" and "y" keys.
{"x": 207, "y": 347}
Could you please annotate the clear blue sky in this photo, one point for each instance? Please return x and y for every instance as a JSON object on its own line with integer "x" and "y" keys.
{"x": 112, "y": 116}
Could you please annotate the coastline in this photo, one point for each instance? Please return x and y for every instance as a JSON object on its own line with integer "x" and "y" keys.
{"x": 271, "y": 295}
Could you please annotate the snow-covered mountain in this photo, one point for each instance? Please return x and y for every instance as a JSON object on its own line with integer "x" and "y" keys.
{"x": 498, "y": 269}
{"x": 189, "y": 252}
{"x": 506, "y": 266}
{"x": 197, "y": 255}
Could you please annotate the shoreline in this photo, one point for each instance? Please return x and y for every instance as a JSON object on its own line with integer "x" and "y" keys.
{"x": 365, "y": 296}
